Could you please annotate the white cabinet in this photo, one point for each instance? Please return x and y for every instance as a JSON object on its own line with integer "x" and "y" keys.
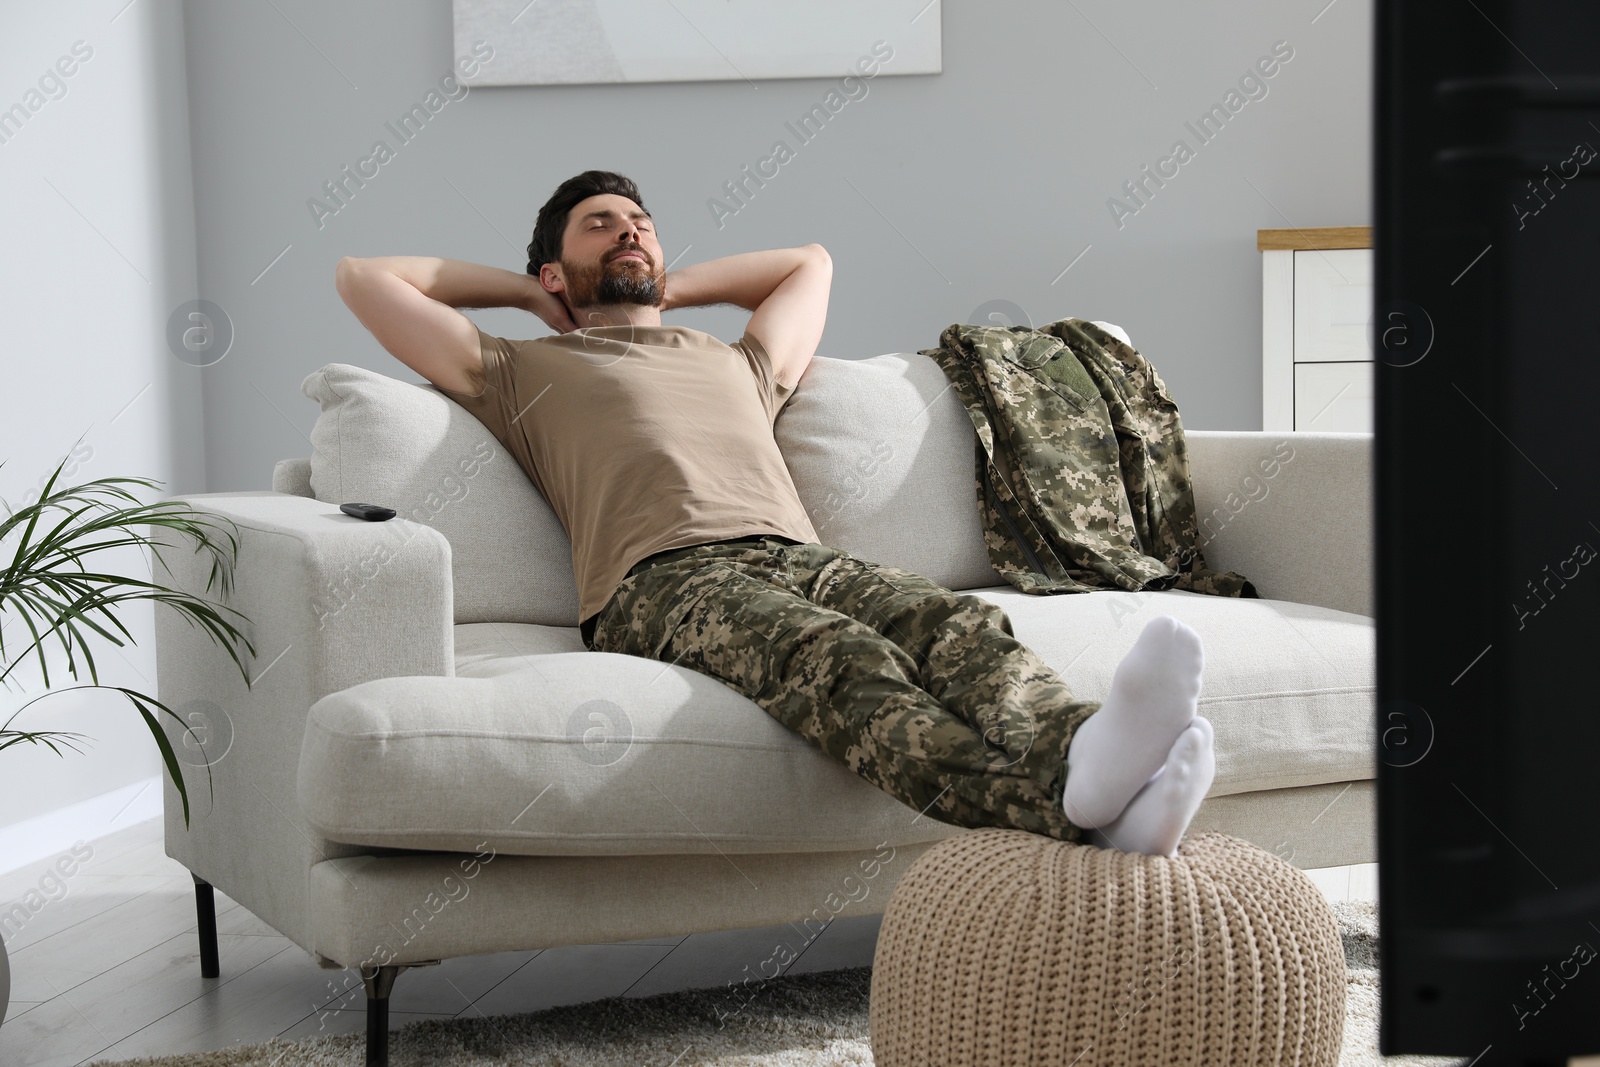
{"x": 1316, "y": 316}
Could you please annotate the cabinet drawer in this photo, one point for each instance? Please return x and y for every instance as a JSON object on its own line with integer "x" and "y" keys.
{"x": 1333, "y": 397}
{"x": 1332, "y": 305}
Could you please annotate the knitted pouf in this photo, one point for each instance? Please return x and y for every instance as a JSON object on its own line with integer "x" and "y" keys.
{"x": 1001, "y": 948}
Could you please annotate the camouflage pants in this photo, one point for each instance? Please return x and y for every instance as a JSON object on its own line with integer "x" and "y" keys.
{"x": 924, "y": 692}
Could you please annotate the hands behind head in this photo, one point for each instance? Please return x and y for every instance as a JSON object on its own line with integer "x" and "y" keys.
{"x": 550, "y": 307}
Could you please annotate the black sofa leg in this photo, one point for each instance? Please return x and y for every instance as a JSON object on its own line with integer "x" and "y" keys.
{"x": 205, "y": 907}
{"x": 379, "y": 981}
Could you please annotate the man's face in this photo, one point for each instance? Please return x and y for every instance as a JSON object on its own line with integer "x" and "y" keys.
{"x": 610, "y": 255}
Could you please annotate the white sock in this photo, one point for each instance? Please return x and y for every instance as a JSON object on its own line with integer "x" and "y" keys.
{"x": 1122, "y": 745}
{"x": 1155, "y": 819}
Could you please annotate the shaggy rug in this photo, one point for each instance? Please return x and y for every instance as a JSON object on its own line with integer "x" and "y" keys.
{"x": 809, "y": 1020}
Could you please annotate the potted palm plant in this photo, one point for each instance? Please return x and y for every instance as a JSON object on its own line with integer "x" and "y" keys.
{"x": 54, "y": 585}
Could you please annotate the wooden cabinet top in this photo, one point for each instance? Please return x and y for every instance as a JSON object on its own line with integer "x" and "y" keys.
{"x": 1321, "y": 237}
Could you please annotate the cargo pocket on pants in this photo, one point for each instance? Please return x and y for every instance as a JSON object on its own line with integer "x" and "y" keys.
{"x": 660, "y": 605}
{"x": 739, "y": 630}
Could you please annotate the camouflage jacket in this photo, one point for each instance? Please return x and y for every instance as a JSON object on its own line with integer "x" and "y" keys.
{"x": 1082, "y": 474}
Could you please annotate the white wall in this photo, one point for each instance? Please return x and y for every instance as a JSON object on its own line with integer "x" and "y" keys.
{"x": 98, "y": 248}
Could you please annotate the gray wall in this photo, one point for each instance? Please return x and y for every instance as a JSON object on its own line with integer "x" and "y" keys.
{"x": 934, "y": 193}
{"x": 97, "y": 248}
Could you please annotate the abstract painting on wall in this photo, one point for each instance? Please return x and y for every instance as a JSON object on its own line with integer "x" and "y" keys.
{"x": 556, "y": 42}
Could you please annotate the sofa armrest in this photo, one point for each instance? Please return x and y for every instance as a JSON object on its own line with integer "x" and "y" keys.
{"x": 292, "y": 476}
{"x": 356, "y": 600}
{"x": 331, "y": 601}
{"x": 1291, "y": 511}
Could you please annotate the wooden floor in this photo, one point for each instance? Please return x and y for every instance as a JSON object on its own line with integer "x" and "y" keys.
{"x": 111, "y": 968}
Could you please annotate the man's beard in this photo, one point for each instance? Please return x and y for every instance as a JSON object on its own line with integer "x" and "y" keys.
{"x": 615, "y": 281}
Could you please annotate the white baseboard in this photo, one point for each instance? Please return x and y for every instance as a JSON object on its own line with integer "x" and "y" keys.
{"x": 54, "y": 832}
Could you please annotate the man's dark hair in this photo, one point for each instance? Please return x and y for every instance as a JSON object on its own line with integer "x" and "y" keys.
{"x": 552, "y": 221}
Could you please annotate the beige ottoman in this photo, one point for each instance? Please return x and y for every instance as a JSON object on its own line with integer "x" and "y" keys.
{"x": 1002, "y": 947}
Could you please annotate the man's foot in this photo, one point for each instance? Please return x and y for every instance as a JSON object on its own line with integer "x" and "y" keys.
{"x": 1121, "y": 746}
{"x": 1155, "y": 819}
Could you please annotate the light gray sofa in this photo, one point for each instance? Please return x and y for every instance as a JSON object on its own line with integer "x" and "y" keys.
{"x": 429, "y": 764}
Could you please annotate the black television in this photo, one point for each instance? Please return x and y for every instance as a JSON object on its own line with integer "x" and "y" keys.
{"x": 1486, "y": 322}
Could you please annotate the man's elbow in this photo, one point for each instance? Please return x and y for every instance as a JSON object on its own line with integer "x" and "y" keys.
{"x": 344, "y": 271}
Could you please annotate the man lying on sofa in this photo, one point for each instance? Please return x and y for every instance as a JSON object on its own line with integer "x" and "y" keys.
{"x": 653, "y": 444}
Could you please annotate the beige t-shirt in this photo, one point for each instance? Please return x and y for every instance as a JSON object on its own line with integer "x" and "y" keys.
{"x": 641, "y": 438}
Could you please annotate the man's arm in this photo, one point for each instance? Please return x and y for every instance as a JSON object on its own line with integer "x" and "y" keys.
{"x": 409, "y": 304}
{"x": 787, "y": 288}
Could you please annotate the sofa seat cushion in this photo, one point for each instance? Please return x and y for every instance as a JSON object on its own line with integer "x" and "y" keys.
{"x": 1314, "y": 666}
{"x": 542, "y": 748}
{"x": 490, "y": 649}
{"x": 578, "y": 753}
{"x": 1291, "y": 689}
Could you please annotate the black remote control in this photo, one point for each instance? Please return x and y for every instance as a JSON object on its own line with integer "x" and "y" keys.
{"x": 370, "y": 512}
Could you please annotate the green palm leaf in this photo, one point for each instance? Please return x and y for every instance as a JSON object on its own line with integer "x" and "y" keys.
{"x": 64, "y": 604}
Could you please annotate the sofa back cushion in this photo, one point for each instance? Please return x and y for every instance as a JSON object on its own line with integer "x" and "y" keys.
{"x": 409, "y": 447}
{"x": 880, "y": 450}
{"x": 882, "y": 454}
